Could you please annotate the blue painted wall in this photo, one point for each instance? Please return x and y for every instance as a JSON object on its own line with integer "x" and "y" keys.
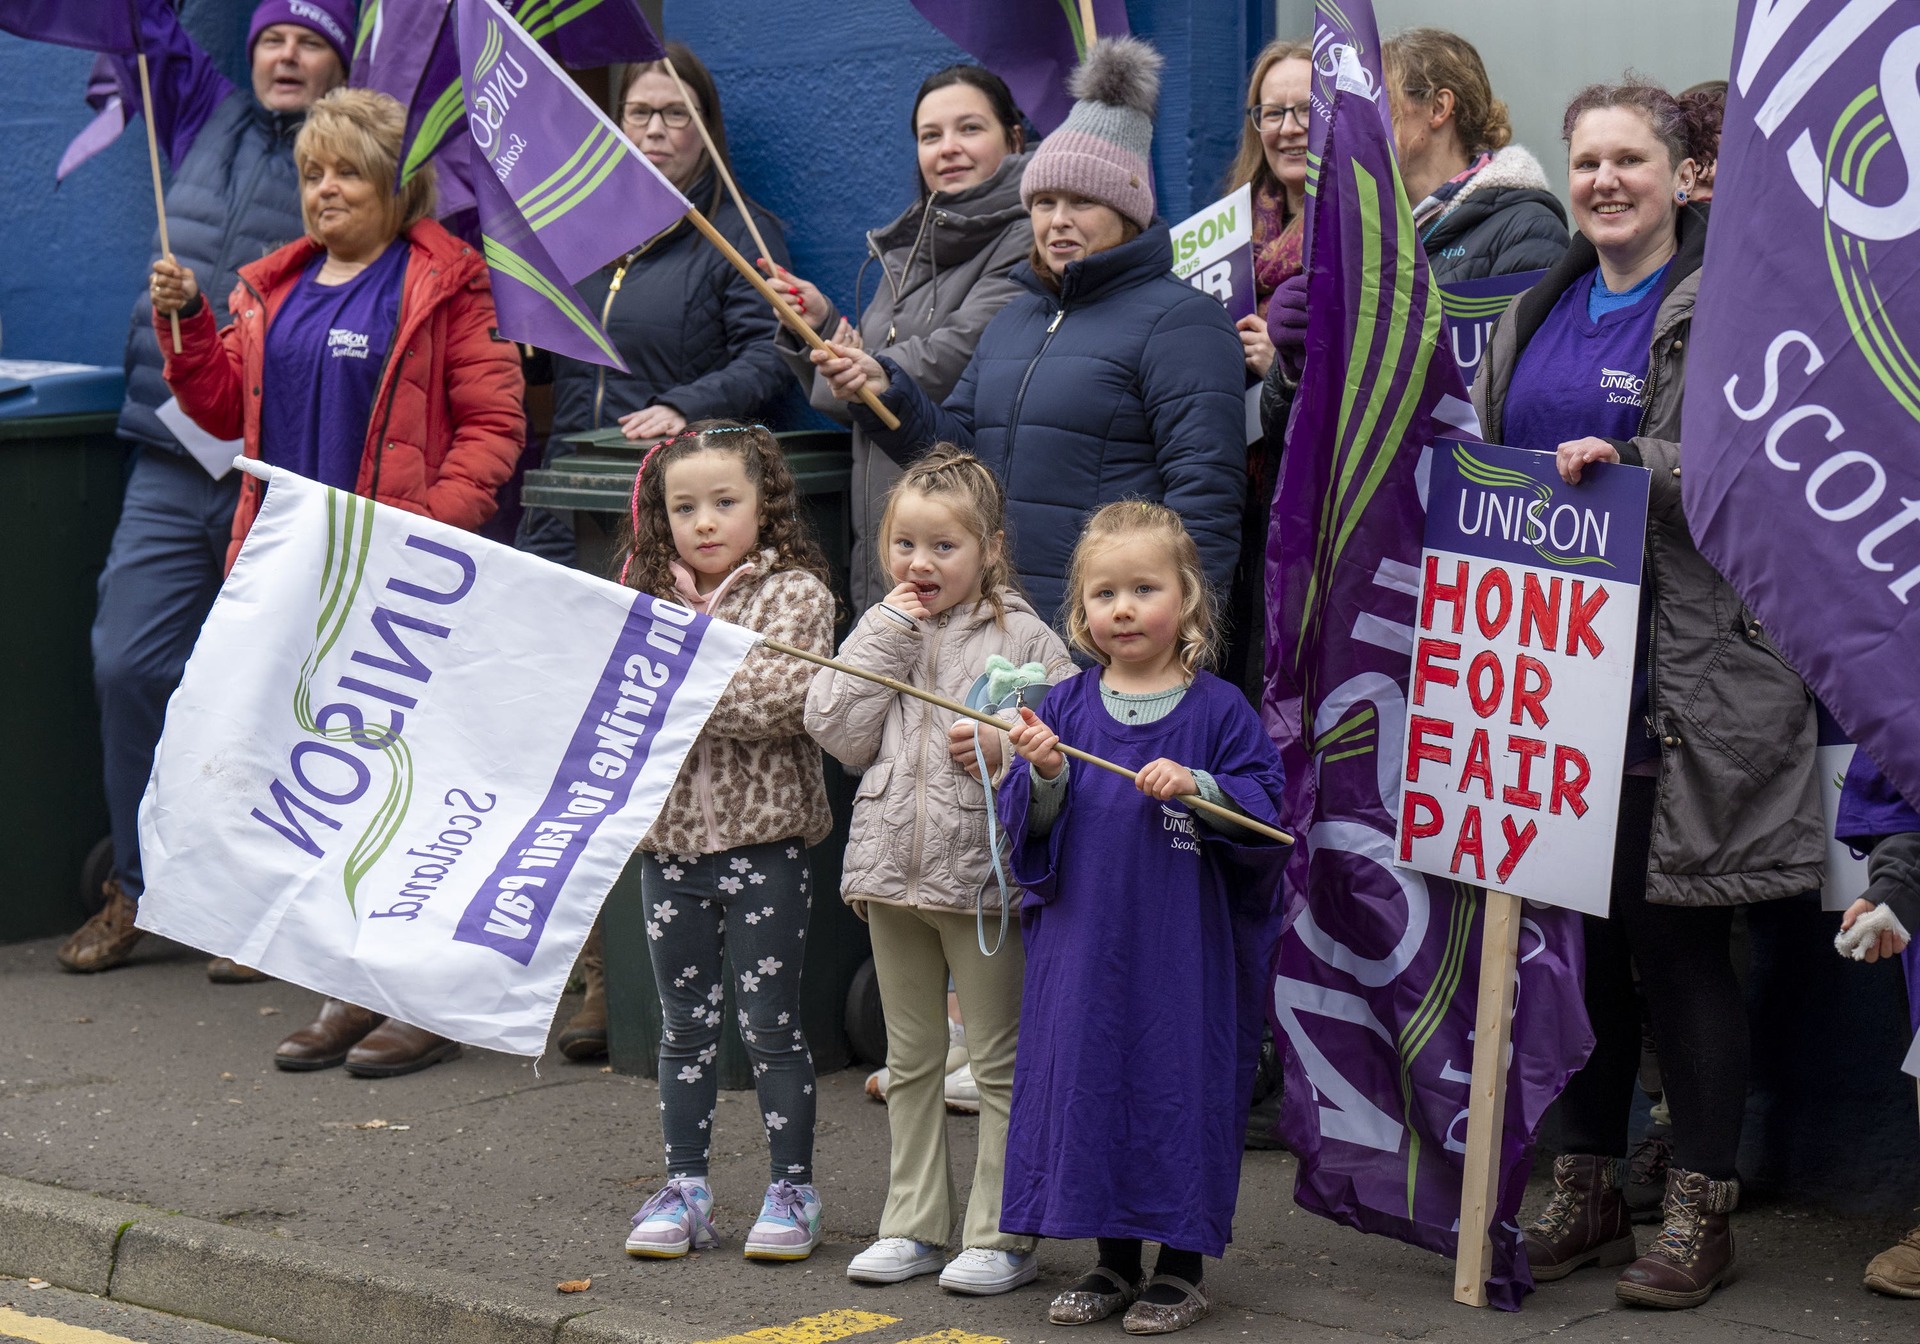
{"x": 76, "y": 255}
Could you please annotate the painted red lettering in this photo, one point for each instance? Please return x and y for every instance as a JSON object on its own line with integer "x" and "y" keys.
{"x": 1518, "y": 840}
{"x": 1415, "y": 826}
{"x": 1486, "y": 697}
{"x": 1531, "y": 683}
{"x": 1540, "y": 613}
{"x": 1496, "y": 589}
{"x": 1470, "y": 846}
{"x": 1571, "y": 774}
{"x": 1479, "y": 764}
{"x": 1424, "y": 670}
{"x": 1580, "y": 621}
{"x": 1419, "y": 749}
{"x": 1453, "y": 594}
{"x": 1518, "y": 794}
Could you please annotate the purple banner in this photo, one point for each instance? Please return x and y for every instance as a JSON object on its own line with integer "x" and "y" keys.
{"x": 1032, "y": 44}
{"x": 91, "y": 25}
{"x": 1802, "y": 421}
{"x": 604, "y": 761}
{"x": 1376, "y": 974}
{"x": 1472, "y": 307}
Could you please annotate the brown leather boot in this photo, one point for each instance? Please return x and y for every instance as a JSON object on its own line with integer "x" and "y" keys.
{"x": 1585, "y": 1223}
{"x": 1693, "y": 1254}
{"x": 324, "y": 1042}
{"x": 227, "y": 971}
{"x": 585, "y": 1037}
{"x": 1896, "y": 1270}
{"x": 106, "y": 940}
{"x": 394, "y": 1048}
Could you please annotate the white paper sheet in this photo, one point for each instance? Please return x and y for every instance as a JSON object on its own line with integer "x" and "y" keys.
{"x": 216, "y": 455}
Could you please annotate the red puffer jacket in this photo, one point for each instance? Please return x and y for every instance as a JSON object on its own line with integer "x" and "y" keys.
{"x": 449, "y": 418}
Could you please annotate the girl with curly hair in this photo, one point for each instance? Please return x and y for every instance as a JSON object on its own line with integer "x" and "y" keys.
{"x": 715, "y": 526}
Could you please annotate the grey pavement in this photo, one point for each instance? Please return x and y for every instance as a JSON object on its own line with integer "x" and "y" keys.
{"x": 30, "y": 1311}
{"x": 483, "y": 1177}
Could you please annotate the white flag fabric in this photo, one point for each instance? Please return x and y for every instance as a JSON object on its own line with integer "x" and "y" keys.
{"x": 406, "y": 764}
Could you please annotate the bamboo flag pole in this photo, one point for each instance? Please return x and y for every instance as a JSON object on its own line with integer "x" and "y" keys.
{"x": 1487, "y": 1098}
{"x": 955, "y": 707}
{"x": 1087, "y": 33}
{"x": 719, "y": 164}
{"x": 159, "y": 196}
{"x": 801, "y": 327}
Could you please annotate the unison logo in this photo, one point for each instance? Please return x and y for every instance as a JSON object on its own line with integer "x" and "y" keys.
{"x": 1515, "y": 507}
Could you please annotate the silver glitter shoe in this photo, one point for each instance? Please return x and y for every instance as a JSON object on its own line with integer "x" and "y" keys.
{"x": 1153, "y": 1318}
{"x": 1079, "y": 1307}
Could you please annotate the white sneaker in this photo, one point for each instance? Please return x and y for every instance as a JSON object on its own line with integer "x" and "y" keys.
{"x": 877, "y": 1084}
{"x": 963, "y": 1095}
{"x": 894, "y": 1260}
{"x": 956, "y": 1045}
{"x": 979, "y": 1272}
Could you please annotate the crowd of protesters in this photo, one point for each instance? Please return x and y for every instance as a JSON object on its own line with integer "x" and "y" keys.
{"x": 1070, "y": 486}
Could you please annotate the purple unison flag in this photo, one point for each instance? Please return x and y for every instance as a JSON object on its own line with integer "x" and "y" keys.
{"x": 112, "y": 111}
{"x": 1376, "y": 975}
{"x": 91, "y": 25}
{"x": 560, "y": 190}
{"x": 1802, "y": 422}
{"x": 1032, "y": 44}
{"x": 582, "y": 34}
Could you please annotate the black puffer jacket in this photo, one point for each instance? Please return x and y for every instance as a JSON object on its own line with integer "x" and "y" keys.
{"x": 235, "y": 197}
{"x": 1503, "y": 221}
{"x": 694, "y": 333}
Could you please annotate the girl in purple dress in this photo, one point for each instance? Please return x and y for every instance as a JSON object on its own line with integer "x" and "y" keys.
{"x": 1148, "y": 929}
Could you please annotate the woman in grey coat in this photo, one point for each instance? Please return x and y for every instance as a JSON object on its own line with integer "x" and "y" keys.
{"x": 943, "y": 273}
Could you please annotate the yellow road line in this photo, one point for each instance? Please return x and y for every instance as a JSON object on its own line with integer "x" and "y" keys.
{"x": 41, "y": 1330}
{"x": 822, "y": 1329}
{"x": 951, "y": 1336}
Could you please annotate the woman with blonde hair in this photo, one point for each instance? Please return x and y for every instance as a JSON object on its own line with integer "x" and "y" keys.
{"x": 1273, "y": 161}
{"x": 363, "y": 356}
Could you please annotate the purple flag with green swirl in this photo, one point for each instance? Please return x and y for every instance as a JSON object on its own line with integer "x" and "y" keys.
{"x": 560, "y": 190}
{"x": 1376, "y": 975}
{"x": 1802, "y": 420}
{"x": 1032, "y": 44}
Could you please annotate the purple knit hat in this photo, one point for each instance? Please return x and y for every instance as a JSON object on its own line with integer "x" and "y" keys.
{"x": 1102, "y": 148}
{"x": 332, "y": 19}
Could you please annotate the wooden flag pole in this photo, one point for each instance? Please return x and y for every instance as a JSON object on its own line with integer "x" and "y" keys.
{"x": 1487, "y": 1097}
{"x": 801, "y": 327}
{"x": 159, "y": 196}
{"x": 1087, "y": 33}
{"x": 965, "y": 712}
{"x": 719, "y": 164}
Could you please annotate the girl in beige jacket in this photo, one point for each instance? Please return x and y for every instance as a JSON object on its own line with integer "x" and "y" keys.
{"x": 917, "y": 860}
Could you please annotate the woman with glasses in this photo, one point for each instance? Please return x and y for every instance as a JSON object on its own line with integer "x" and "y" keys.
{"x": 1273, "y": 160}
{"x": 697, "y": 339}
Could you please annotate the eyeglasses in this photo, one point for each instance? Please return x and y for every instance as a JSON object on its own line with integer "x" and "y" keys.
{"x": 1263, "y": 115}
{"x": 675, "y": 116}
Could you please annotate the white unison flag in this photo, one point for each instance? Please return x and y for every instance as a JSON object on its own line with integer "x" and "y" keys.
{"x": 406, "y": 763}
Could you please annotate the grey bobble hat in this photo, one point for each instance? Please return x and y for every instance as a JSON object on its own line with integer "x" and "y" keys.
{"x": 1102, "y": 149}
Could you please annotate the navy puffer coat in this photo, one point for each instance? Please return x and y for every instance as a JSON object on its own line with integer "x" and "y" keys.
{"x": 1127, "y": 384}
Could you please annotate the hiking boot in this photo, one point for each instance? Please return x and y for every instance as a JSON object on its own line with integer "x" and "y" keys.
{"x": 1693, "y": 1254}
{"x": 678, "y": 1218}
{"x": 325, "y": 1042}
{"x": 1647, "y": 1167}
{"x": 788, "y": 1227}
{"x": 1897, "y": 1271}
{"x": 585, "y": 1037}
{"x": 106, "y": 940}
{"x": 1585, "y": 1223}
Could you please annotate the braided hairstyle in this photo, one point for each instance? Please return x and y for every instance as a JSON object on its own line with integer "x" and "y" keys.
{"x": 1133, "y": 520}
{"x": 649, "y": 548}
{"x": 963, "y": 483}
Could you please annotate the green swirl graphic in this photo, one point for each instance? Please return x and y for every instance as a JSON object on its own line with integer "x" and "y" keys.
{"x": 1489, "y": 477}
{"x": 1856, "y": 141}
{"x": 349, "y": 541}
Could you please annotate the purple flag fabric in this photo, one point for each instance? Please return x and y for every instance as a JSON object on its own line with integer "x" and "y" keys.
{"x": 411, "y": 53}
{"x": 112, "y": 111}
{"x": 560, "y": 191}
{"x": 1802, "y": 423}
{"x": 1032, "y": 44}
{"x": 91, "y": 25}
{"x": 1376, "y": 976}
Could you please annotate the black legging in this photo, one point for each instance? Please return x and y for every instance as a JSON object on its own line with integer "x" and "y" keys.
{"x": 1699, "y": 1019}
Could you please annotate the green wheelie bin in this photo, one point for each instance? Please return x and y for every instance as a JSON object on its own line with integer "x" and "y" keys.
{"x": 62, "y": 473}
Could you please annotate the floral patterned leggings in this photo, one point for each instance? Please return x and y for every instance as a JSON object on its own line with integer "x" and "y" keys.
{"x": 754, "y": 900}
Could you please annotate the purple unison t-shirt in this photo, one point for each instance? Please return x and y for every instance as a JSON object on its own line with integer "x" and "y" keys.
{"x": 325, "y": 353}
{"x": 1585, "y": 376}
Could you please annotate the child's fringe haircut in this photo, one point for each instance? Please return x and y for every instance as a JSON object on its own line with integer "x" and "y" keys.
{"x": 1139, "y": 520}
{"x": 963, "y": 483}
{"x": 649, "y": 536}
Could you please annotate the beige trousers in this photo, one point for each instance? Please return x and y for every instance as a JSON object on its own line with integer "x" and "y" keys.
{"x": 914, "y": 951}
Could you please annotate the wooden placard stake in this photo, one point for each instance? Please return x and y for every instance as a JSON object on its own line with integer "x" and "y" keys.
{"x": 1487, "y": 1098}
{"x": 719, "y": 164}
{"x": 801, "y": 327}
{"x": 1087, "y": 33}
{"x": 955, "y": 707}
{"x": 159, "y": 195}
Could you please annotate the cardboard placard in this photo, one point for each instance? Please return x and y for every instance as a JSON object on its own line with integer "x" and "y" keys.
{"x": 1472, "y": 307}
{"x": 1523, "y": 666}
{"x": 1213, "y": 251}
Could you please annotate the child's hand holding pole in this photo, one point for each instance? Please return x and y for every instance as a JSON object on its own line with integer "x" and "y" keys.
{"x": 1038, "y": 744}
{"x": 1164, "y": 779}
